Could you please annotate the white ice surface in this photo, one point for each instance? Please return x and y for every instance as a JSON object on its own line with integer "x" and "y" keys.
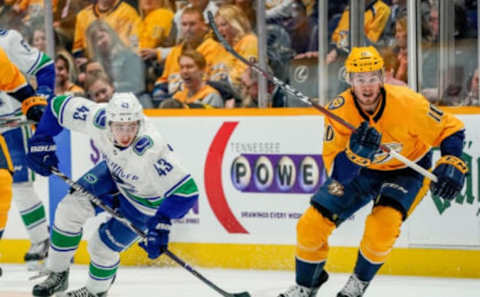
{"x": 170, "y": 282}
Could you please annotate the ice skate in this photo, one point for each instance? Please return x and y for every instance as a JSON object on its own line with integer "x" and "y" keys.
{"x": 353, "y": 288}
{"x": 55, "y": 282}
{"x": 82, "y": 292}
{"x": 299, "y": 291}
{"x": 36, "y": 255}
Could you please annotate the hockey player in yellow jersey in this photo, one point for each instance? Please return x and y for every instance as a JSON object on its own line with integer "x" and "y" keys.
{"x": 14, "y": 84}
{"x": 359, "y": 172}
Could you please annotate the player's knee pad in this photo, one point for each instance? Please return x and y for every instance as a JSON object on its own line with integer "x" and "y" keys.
{"x": 313, "y": 230}
{"x": 72, "y": 212}
{"x": 100, "y": 253}
{"x": 382, "y": 228}
{"x": 6, "y": 181}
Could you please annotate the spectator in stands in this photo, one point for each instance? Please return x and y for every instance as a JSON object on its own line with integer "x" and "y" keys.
{"x": 39, "y": 38}
{"x": 391, "y": 65}
{"x": 303, "y": 32}
{"x": 375, "y": 18}
{"x": 99, "y": 87}
{"x": 248, "y": 8}
{"x": 195, "y": 37}
{"x": 121, "y": 17}
{"x": 64, "y": 15}
{"x": 122, "y": 65}
{"x": 400, "y": 48}
{"x": 192, "y": 70}
{"x": 65, "y": 75}
{"x": 276, "y": 96}
{"x": 234, "y": 26}
{"x": 202, "y": 5}
{"x": 472, "y": 99}
{"x": 398, "y": 11}
{"x": 154, "y": 27}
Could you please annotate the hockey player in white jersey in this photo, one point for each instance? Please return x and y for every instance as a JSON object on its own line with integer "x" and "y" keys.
{"x": 140, "y": 176}
{"x": 31, "y": 62}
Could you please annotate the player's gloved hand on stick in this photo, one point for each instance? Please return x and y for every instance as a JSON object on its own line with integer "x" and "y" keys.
{"x": 34, "y": 107}
{"x": 41, "y": 154}
{"x": 156, "y": 242}
{"x": 450, "y": 171}
{"x": 363, "y": 144}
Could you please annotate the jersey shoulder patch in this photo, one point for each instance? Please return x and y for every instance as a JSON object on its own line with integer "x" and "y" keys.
{"x": 336, "y": 102}
{"x": 99, "y": 120}
{"x": 3, "y": 31}
{"x": 142, "y": 144}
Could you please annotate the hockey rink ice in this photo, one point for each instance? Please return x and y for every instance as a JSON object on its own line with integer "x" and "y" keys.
{"x": 170, "y": 282}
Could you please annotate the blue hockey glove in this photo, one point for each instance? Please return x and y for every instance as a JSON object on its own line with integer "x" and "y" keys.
{"x": 41, "y": 154}
{"x": 364, "y": 143}
{"x": 450, "y": 171}
{"x": 156, "y": 242}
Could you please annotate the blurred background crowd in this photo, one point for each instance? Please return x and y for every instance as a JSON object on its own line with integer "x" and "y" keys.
{"x": 165, "y": 52}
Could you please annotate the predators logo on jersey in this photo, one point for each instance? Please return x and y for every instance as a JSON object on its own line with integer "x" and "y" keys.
{"x": 337, "y": 102}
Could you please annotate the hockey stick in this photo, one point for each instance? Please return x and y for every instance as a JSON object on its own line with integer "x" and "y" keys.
{"x": 302, "y": 97}
{"x": 139, "y": 232}
{"x": 14, "y": 122}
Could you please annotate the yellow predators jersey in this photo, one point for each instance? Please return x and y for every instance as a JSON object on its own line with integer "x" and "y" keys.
{"x": 215, "y": 56}
{"x": 375, "y": 19}
{"x": 409, "y": 124}
{"x": 122, "y": 18}
{"x": 247, "y": 47}
{"x": 206, "y": 90}
{"x": 154, "y": 28}
{"x": 11, "y": 79}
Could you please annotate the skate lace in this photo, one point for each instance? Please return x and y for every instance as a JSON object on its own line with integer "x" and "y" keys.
{"x": 297, "y": 291}
{"x": 354, "y": 287}
{"x": 82, "y": 292}
{"x": 54, "y": 278}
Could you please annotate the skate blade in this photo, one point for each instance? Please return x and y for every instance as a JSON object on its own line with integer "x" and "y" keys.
{"x": 36, "y": 265}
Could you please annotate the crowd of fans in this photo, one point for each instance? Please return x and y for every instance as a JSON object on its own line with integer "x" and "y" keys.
{"x": 165, "y": 52}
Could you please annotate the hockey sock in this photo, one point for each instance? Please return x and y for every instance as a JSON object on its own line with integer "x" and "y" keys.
{"x": 32, "y": 211}
{"x": 308, "y": 274}
{"x": 63, "y": 245}
{"x": 364, "y": 269}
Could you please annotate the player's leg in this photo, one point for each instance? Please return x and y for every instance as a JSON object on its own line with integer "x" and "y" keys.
{"x": 330, "y": 206}
{"x": 401, "y": 190}
{"x": 26, "y": 199}
{"x": 6, "y": 180}
{"x": 66, "y": 232}
{"x": 104, "y": 248}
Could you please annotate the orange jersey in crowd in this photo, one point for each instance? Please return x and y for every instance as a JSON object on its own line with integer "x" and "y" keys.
{"x": 215, "y": 56}
{"x": 247, "y": 47}
{"x": 409, "y": 124}
{"x": 154, "y": 28}
{"x": 122, "y": 18}
{"x": 375, "y": 19}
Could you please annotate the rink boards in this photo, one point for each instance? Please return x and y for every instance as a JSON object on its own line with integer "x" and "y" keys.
{"x": 256, "y": 170}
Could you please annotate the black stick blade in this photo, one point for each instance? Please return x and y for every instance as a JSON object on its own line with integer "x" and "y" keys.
{"x": 242, "y": 294}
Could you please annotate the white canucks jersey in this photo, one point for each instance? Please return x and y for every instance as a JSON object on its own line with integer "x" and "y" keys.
{"x": 146, "y": 172}
{"x": 27, "y": 59}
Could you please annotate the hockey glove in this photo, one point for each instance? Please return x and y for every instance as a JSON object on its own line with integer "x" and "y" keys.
{"x": 156, "y": 242}
{"x": 41, "y": 154}
{"x": 450, "y": 171}
{"x": 364, "y": 143}
{"x": 34, "y": 107}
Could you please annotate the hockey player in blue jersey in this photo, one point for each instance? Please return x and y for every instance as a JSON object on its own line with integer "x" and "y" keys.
{"x": 140, "y": 172}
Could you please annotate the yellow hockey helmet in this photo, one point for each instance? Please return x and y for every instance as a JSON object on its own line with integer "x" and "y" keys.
{"x": 363, "y": 59}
